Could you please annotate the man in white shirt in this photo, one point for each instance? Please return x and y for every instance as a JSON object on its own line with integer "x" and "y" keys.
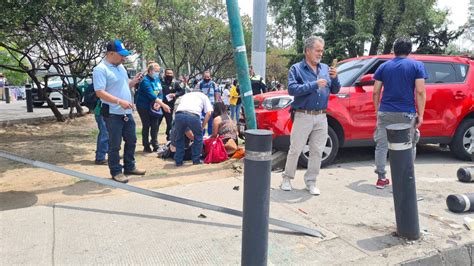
{"x": 188, "y": 115}
{"x": 226, "y": 96}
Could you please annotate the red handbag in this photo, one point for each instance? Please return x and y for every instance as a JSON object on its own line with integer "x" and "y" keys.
{"x": 215, "y": 150}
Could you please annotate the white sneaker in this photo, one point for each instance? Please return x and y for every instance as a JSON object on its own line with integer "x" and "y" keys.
{"x": 313, "y": 190}
{"x": 286, "y": 184}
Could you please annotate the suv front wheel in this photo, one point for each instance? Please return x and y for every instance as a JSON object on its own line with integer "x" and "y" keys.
{"x": 462, "y": 144}
{"x": 329, "y": 152}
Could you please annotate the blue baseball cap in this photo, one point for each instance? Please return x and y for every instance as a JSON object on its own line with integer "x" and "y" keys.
{"x": 117, "y": 46}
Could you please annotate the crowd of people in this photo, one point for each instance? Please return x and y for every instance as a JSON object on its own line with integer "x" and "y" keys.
{"x": 192, "y": 111}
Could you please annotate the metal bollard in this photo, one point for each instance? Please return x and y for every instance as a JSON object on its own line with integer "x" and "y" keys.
{"x": 65, "y": 99}
{"x": 257, "y": 172}
{"x": 29, "y": 98}
{"x": 7, "y": 94}
{"x": 460, "y": 202}
{"x": 466, "y": 174}
{"x": 403, "y": 179}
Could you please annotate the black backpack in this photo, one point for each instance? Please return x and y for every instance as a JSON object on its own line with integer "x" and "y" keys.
{"x": 90, "y": 98}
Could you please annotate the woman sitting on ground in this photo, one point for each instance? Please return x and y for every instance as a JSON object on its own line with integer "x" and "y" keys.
{"x": 224, "y": 127}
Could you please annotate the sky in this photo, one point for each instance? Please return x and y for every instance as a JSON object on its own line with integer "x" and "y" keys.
{"x": 458, "y": 10}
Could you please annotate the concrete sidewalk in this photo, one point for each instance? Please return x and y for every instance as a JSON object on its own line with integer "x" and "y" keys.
{"x": 15, "y": 113}
{"x": 358, "y": 221}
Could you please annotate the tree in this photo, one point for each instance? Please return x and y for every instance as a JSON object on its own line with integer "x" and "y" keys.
{"x": 301, "y": 15}
{"x": 191, "y": 36}
{"x": 13, "y": 77}
{"x": 68, "y": 36}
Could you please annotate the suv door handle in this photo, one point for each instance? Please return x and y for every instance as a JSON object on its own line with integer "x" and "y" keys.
{"x": 342, "y": 95}
{"x": 459, "y": 95}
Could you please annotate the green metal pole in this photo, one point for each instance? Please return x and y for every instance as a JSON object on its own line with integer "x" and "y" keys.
{"x": 240, "y": 59}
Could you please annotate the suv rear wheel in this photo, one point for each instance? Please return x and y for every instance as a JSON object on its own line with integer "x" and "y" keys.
{"x": 329, "y": 153}
{"x": 462, "y": 144}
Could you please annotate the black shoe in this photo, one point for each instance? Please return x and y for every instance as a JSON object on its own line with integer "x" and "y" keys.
{"x": 155, "y": 149}
{"x": 147, "y": 150}
{"x": 135, "y": 171}
{"x": 101, "y": 162}
{"x": 197, "y": 163}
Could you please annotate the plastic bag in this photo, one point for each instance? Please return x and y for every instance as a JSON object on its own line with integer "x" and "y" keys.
{"x": 215, "y": 150}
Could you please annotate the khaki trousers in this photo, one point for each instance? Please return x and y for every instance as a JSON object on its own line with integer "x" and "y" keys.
{"x": 312, "y": 130}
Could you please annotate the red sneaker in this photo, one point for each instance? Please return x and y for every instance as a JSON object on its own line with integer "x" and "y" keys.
{"x": 382, "y": 183}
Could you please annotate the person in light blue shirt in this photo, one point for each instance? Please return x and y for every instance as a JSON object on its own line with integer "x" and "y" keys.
{"x": 112, "y": 86}
{"x": 310, "y": 82}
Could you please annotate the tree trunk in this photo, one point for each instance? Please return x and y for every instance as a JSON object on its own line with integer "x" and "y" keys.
{"x": 377, "y": 31}
{"x": 299, "y": 28}
{"x": 391, "y": 33}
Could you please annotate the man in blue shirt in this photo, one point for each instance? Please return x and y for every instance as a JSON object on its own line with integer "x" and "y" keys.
{"x": 310, "y": 82}
{"x": 209, "y": 87}
{"x": 399, "y": 76}
{"x": 112, "y": 86}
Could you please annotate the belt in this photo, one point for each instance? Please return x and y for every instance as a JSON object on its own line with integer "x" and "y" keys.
{"x": 187, "y": 113}
{"x": 312, "y": 112}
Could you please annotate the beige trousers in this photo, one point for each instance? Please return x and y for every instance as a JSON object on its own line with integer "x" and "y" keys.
{"x": 313, "y": 130}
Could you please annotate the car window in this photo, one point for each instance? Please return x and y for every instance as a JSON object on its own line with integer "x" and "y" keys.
{"x": 440, "y": 73}
{"x": 347, "y": 71}
{"x": 461, "y": 71}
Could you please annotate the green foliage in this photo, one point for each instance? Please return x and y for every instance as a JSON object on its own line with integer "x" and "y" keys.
{"x": 301, "y": 15}
{"x": 347, "y": 25}
{"x": 277, "y": 65}
{"x": 190, "y": 36}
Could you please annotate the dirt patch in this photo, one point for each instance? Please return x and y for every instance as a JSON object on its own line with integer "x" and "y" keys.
{"x": 72, "y": 145}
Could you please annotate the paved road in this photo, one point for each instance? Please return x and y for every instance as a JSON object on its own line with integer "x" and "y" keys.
{"x": 15, "y": 113}
{"x": 358, "y": 221}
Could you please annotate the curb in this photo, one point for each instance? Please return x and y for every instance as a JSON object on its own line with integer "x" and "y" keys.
{"x": 462, "y": 255}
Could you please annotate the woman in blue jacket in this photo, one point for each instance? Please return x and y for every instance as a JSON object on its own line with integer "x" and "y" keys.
{"x": 149, "y": 103}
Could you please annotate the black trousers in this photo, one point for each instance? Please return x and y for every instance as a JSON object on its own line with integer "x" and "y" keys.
{"x": 150, "y": 125}
{"x": 169, "y": 122}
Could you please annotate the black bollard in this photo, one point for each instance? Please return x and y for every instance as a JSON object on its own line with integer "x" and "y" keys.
{"x": 461, "y": 202}
{"x": 29, "y": 98}
{"x": 65, "y": 99}
{"x": 257, "y": 171}
{"x": 466, "y": 174}
{"x": 403, "y": 178}
{"x": 7, "y": 94}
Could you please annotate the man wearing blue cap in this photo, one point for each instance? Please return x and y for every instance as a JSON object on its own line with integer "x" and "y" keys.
{"x": 112, "y": 86}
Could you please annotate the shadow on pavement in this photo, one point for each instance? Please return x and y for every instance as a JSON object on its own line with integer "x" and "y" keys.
{"x": 165, "y": 218}
{"x": 362, "y": 187}
{"x": 292, "y": 197}
{"x": 379, "y": 242}
{"x": 10, "y": 200}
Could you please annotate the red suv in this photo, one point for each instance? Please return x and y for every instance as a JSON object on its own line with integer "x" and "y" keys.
{"x": 448, "y": 118}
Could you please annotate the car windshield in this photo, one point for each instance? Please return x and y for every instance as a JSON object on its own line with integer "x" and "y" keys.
{"x": 347, "y": 71}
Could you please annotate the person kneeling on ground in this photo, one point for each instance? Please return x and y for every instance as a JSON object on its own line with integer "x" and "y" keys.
{"x": 188, "y": 117}
{"x": 224, "y": 127}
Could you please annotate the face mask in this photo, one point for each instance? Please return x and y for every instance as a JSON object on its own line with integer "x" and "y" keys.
{"x": 168, "y": 79}
{"x": 207, "y": 80}
{"x": 156, "y": 76}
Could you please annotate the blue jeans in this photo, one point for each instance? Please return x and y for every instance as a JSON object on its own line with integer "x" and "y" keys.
{"x": 235, "y": 112}
{"x": 118, "y": 128}
{"x": 182, "y": 121}
{"x": 102, "y": 139}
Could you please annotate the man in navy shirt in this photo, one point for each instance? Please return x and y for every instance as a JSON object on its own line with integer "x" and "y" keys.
{"x": 400, "y": 77}
{"x": 310, "y": 82}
